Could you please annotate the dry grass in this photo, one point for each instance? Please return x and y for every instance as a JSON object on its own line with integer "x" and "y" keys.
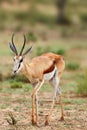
{"x": 75, "y": 113}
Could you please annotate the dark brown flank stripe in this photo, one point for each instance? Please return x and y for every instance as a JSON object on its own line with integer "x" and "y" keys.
{"x": 50, "y": 69}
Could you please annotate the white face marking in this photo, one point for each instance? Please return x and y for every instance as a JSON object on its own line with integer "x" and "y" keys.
{"x": 50, "y": 75}
{"x": 18, "y": 65}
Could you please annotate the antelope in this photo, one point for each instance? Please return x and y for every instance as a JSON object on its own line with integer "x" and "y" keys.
{"x": 46, "y": 67}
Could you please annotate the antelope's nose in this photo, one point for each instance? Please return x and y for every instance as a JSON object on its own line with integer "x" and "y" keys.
{"x": 14, "y": 71}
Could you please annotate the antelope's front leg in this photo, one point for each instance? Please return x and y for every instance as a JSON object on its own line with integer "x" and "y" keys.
{"x": 35, "y": 102}
{"x": 33, "y": 109}
{"x": 34, "y": 106}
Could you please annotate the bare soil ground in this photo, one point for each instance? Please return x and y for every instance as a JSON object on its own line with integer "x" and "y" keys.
{"x": 20, "y": 106}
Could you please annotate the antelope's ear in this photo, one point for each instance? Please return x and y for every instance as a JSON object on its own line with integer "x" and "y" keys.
{"x": 27, "y": 51}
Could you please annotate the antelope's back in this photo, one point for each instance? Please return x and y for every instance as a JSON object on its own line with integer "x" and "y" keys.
{"x": 41, "y": 63}
{"x": 58, "y": 59}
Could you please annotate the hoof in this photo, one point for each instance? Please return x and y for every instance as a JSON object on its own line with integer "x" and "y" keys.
{"x": 34, "y": 122}
{"x": 61, "y": 119}
{"x": 46, "y": 122}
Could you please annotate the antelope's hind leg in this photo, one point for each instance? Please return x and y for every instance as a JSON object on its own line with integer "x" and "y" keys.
{"x": 54, "y": 82}
{"x": 61, "y": 104}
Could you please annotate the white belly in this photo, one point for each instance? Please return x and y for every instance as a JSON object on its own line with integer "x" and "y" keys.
{"x": 50, "y": 75}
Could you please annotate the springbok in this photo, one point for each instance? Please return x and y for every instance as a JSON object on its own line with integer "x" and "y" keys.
{"x": 47, "y": 67}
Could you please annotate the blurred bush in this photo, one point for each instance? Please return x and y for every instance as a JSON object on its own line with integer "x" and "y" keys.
{"x": 3, "y": 15}
{"x": 72, "y": 66}
{"x": 64, "y": 21}
{"x": 31, "y": 37}
{"x": 83, "y": 17}
{"x": 61, "y": 18}
{"x": 60, "y": 52}
{"x": 34, "y": 16}
{"x": 9, "y": 76}
{"x": 21, "y": 15}
{"x": 82, "y": 84}
{"x": 16, "y": 78}
{"x": 1, "y": 77}
{"x": 21, "y": 78}
{"x": 45, "y": 19}
{"x": 15, "y": 85}
{"x": 31, "y": 17}
{"x": 40, "y": 50}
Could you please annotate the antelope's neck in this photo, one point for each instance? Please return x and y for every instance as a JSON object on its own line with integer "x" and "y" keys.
{"x": 25, "y": 67}
{"x": 27, "y": 70}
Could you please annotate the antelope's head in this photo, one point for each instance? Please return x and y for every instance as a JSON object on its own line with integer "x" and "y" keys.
{"x": 18, "y": 58}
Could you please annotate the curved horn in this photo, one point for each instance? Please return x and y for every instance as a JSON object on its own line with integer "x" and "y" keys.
{"x": 12, "y": 47}
{"x": 15, "y": 50}
{"x": 27, "y": 51}
{"x": 23, "y": 45}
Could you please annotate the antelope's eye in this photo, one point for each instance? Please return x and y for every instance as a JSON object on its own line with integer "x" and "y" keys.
{"x": 21, "y": 60}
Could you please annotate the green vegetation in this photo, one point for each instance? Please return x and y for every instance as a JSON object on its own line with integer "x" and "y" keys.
{"x": 82, "y": 84}
{"x": 31, "y": 37}
{"x": 16, "y": 78}
{"x": 40, "y": 50}
{"x": 15, "y": 85}
{"x": 83, "y": 17}
{"x": 60, "y": 51}
{"x": 72, "y": 66}
{"x": 21, "y": 78}
{"x": 68, "y": 108}
{"x": 1, "y": 76}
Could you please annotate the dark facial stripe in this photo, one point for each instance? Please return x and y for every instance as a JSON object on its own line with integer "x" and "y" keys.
{"x": 50, "y": 69}
{"x": 19, "y": 66}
